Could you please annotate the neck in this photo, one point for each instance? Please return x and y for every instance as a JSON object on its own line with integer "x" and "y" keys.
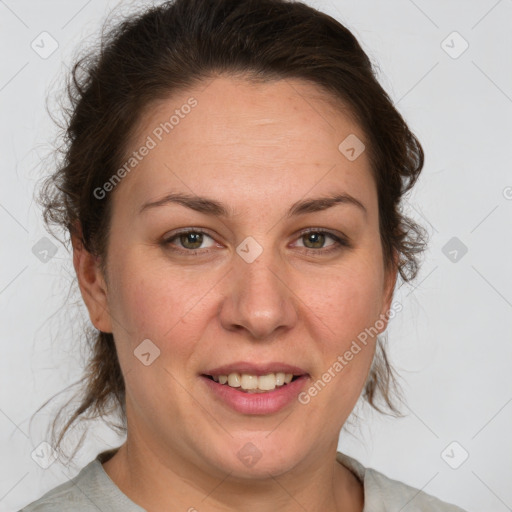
{"x": 173, "y": 482}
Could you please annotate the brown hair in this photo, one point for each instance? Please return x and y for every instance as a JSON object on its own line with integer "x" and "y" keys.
{"x": 175, "y": 45}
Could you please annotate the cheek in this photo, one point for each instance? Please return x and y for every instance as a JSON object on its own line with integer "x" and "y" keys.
{"x": 150, "y": 302}
{"x": 348, "y": 301}
{"x": 344, "y": 315}
{"x": 155, "y": 301}
{"x": 346, "y": 307}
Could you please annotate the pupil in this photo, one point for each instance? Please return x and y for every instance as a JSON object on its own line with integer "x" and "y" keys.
{"x": 318, "y": 239}
{"x": 195, "y": 238}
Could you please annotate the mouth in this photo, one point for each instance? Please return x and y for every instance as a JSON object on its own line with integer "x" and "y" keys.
{"x": 249, "y": 377}
{"x": 255, "y": 389}
{"x": 251, "y": 383}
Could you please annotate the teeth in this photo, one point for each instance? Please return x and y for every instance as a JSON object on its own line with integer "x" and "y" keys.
{"x": 254, "y": 383}
{"x": 234, "y": 380}
{"x": 248, "y": 381}
{"x": 267, "y": 382}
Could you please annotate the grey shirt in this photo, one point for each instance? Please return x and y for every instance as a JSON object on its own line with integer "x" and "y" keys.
{"x": 92, "y": 490}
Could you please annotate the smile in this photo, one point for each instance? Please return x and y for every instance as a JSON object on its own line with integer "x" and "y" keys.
{"x": 253, "y": 383}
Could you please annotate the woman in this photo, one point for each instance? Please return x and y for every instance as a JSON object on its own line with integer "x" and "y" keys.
{"x": 232, "y": 190}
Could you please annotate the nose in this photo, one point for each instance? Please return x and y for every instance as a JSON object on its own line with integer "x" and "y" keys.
{"x": 259, "y": 299}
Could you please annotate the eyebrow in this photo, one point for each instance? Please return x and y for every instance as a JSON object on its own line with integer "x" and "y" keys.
{"x": 212, "y": 207}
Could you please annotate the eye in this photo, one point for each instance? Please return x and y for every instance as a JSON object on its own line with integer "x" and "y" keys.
{"x": 190, "y": 240}
{"x": 314, "y": 241}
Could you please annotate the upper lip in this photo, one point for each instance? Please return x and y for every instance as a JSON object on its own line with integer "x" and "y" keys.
{"x": 255, "y": 369}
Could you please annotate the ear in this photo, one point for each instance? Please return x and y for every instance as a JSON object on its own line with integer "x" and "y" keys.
{"x": 92, "y": 284}
{"x": 389, "y": 286}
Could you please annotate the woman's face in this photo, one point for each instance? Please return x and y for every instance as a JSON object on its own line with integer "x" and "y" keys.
{"x": 252, "y": 287}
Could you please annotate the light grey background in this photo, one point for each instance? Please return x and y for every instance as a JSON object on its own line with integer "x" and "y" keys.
{"x": 451, "y": 343}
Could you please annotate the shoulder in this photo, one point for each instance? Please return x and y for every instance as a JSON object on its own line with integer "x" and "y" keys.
{"x": 91, "y": 490}
{"x": 382, "y": 493}
{"x": 61, "y": 498}
{"x": 78, "y": 494}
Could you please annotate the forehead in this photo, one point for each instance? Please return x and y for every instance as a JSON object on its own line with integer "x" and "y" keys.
{"x": 229, "y": 134}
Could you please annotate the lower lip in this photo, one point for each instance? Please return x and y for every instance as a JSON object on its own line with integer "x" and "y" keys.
{"x": 257, "y": 403}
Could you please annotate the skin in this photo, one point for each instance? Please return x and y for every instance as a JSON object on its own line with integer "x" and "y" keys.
{"x": 257, "y": 148}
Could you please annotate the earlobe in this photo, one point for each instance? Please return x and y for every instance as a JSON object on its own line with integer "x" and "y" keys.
{"x": 389, "y": 287}
{"x": 392, "y": 277}
{"x": 92, "y": 285}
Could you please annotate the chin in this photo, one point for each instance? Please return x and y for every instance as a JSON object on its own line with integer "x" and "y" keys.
{"x": 257, "y": 458}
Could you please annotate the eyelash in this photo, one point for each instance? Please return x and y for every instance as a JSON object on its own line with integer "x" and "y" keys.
{"x": 340, "y": 242}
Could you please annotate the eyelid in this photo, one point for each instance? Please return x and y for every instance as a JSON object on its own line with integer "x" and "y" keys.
{"x": 167, "y": 239}
{"x": 340, "y": 241}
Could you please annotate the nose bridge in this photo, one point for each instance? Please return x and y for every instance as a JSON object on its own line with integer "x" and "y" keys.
{"x": 259, "y": 299}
